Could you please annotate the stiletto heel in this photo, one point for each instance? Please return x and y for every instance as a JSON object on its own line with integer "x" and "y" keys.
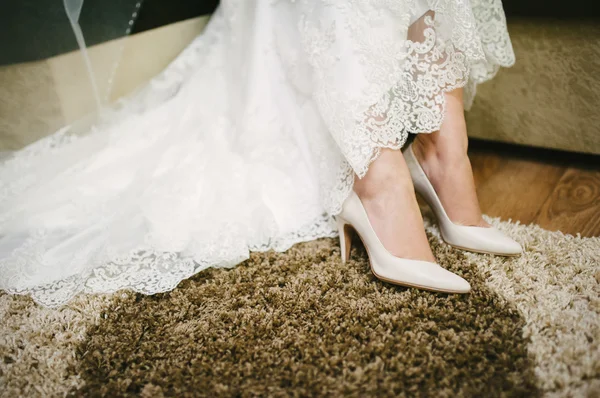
{"x": 384, "y": 265}
{"x": 346, "y": 231}
{"x": 475, "y": 239}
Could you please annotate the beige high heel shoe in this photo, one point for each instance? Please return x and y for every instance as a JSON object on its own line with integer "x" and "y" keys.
{"x": 476, "y": 239}
{"x": 386, "y": 266}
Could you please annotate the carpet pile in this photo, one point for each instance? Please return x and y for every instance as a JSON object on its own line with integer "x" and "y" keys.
{"x": 300, "y": 323}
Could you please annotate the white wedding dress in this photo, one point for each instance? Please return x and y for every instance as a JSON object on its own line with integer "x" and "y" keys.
{"x": 248, "y": 141}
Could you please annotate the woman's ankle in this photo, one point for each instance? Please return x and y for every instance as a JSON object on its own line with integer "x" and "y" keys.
{"x": 388, "y": 174}
{"x": 450, "y": 143}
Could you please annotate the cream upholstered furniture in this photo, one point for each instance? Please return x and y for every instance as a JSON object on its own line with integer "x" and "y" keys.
{"x": 39, "y": 97}
{"x": 550, "y": 98}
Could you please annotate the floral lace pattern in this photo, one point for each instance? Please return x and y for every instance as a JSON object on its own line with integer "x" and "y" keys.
{"x": 402, "y": 74}
{"x": 249, "y": 141}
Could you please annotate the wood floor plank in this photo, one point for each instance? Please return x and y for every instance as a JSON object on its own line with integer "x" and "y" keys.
{"x": 484, "y": 165}
{"x": 512, "y": 181}
{"x": 518, "y": 188}
{"x": 574, "y": 205}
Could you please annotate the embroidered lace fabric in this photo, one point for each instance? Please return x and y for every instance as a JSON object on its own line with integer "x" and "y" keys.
{"x": 248, "y": 141}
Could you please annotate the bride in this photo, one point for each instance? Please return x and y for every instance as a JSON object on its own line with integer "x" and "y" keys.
{"x": 283, "y": 122}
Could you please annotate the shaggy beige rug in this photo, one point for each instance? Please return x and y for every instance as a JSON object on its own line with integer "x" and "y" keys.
{"x": 300, "y": 323}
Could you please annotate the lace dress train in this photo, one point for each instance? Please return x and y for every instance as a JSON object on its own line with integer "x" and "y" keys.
{"x": 248, "y": 141}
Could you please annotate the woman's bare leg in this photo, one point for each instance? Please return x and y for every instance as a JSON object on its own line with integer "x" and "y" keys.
{"x": 443, "y": 156}
{"x": 392, "y": 207}
{"x": 387, "y": 191}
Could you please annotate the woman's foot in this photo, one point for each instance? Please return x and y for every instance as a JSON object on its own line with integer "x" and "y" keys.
{"x": 392, "y": 207}
{"x": 443, "y": 157}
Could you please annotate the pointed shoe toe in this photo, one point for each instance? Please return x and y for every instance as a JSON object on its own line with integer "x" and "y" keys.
{"x": 481, "y": 240}
{"x": 415, "y": 273}
{"x": 457, "y": 283}
{"x": 452, "y": 282}
{"x": 499, "y": 243}
{"x": 384, "y": 265}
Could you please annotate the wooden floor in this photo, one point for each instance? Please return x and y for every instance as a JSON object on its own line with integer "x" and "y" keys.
{"x": 558, "y": 191}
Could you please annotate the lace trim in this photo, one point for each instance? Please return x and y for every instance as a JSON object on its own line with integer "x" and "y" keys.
{"x": 463, "y": 43}
{"x": 401, "y": 91}
{"x": 148, "y": 271}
